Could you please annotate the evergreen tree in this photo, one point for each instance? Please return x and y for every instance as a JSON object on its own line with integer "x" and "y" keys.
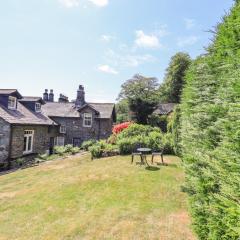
{"x": 210, "y": 133}
{"x": 171, "y": 89}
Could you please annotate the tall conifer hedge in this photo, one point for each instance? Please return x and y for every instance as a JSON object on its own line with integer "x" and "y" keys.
{"x": 210, "y": 134}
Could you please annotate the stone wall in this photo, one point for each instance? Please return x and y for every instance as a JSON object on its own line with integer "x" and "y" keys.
{"x": 41, "y": 140}
{"x": 4, "y": 140}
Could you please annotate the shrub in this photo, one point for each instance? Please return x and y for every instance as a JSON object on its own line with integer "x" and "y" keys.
{"x": 120, "y": 127}
{"x": 96, "y": 151}
{"x": 174, "y": 129}
{"x": 75, "y": 150}
{"x": 86, "y": 144}
{"x": 137, "y": 130}
{"x": 141, "y": 135}
{"x": 68, "y": 148}
{"x": 60, "y": 150}
{"x": 112, "y": 139}
{"x": 20, "y": 161}
{"x": 125, "y": 146}
{"x": 155, "y": 141}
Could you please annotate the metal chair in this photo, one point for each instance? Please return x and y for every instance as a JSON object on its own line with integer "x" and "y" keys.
{"x": 158, "y": 153}
{"x": 136, "y": 153}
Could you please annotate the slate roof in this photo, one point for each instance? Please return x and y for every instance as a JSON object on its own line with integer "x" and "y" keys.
{"x": 55, "y": 109}
{"x": 22, "y": 115}
{"x": 9, "y": 92}
{"x": 105, "y": 109}
{"x": 32, "y": 99}
{"x": 165, "y": 108}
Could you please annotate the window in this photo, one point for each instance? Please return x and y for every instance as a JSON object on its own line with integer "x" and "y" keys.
{"x": 28, "y": 141}
{"x": 59, "y": 141}
{"x": 87, "y": 119}
{"x": 62, "y": 129}
{"x": 38, "y": 107}
{"x": 12, "y": 102}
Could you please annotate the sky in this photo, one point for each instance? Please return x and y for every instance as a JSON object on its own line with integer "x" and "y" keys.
{"x": 60, "y": 44}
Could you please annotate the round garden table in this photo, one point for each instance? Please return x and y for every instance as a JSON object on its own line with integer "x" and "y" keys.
{"x": 144, "y": 152}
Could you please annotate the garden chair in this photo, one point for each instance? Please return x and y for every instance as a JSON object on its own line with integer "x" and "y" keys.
{"x": 158, "y": 153}
{"x": 135, "y": 152}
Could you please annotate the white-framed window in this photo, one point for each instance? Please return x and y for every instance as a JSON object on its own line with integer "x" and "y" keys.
{"x": 63, "y": 129}
{"x": 12, "y": 102}
{"x": 59, "y": 141}
{"x": 38, "y": 107}
{"x": 28, "y": 141}
{"x": 87, "y": 119}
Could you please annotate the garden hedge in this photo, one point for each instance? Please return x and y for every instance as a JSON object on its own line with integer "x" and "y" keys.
{"x": 210, "y": 134}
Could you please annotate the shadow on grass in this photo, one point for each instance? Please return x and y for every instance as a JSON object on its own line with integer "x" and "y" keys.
{"x": 152, "y": 168}
{"x": 173, "y": 165}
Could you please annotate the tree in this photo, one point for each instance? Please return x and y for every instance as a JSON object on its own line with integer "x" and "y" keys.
{"x": 210, "y": 134}
{"x": 142, "y": 96}
{"x": 122, "y": 110}
{"x": 171, "y": 89}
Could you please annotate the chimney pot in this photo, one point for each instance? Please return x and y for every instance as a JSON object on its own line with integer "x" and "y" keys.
{"x": 51, "y": 96}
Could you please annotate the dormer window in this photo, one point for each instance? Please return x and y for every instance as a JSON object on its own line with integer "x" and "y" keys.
{"x": 87, "y": 120}
{"x": 12, "y": 102}
{"x": 38, "y": 107}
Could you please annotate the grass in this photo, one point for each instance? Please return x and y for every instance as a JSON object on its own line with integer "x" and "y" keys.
{"x": 105, "y": 199}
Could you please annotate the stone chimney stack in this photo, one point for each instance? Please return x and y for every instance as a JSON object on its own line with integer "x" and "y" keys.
{"x": 63, "y": 99}
{"x": 45, "y": 95}
{"x": 51, "y": 96}
{"x": 80, "y": 101}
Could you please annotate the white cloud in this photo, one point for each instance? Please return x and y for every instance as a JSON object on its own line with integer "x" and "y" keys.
{"x": 100, "y": 3}
{"x": 107, "y": 69}
{"x": 146, "y": 41}
{"x": 187, "y": 41}
{"x": 76, "y": 3}
{"x": 124, "y": 59}
{"x": 69, "y": 3}
{"x": 189, "y": 23}
{"x": 107, "y": 38}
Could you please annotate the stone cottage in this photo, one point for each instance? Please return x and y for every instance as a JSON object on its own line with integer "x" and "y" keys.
{"x": 24, "y": 129}
{"x": 79, "y": 120}
{"x": 34, "y": 125}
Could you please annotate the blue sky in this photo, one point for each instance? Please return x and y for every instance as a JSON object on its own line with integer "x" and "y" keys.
{"x": 60, "y": 44}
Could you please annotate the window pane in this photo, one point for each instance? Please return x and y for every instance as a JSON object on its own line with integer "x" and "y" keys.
{"x": 29, "y": 143}
{"x": 25, "y": 144}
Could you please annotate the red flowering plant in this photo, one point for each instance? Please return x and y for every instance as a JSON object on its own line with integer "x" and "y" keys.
{"x": 120, "y": 127}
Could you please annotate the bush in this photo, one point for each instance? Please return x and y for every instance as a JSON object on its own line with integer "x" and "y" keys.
{"x": 120, "y": 127}
{"x": 112, "y": 139}
{"x": 156, "y": 141}
{"x": 20, "y": 161}
{"x": 142, "y": 135}
{"x": 137, "y": 130}
{"x": 68, "y": 148}
{"x": 96, "y": 151}
{"x": 60, "y": 150}
{"x": 75, "y": 150}
{"x": 125, "y": 146}
{"x": 86, "y": 144}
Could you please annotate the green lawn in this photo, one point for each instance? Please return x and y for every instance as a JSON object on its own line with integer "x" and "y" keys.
{"x": 104, "y": 199}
